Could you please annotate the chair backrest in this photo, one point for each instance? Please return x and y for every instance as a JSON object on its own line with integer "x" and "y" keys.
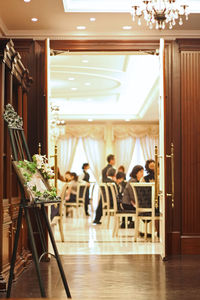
{"x": 81, "y": 190}
{"x": 114, "y": 192}
{"x": 104, "y": 194}
{"x": 62, "y": 196}
{"x": 144, "y": 194}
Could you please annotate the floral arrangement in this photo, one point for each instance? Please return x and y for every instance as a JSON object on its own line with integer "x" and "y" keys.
{"x": 35, "y": 185}
{"x": 42, "y": 165}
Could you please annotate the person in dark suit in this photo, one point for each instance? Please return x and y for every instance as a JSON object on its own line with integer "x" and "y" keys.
{"x": 111, "y": 162}
{"x": 85, "y": 176}
{"x": 111, "y": 177}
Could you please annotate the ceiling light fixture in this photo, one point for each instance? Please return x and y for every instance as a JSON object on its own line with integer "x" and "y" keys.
{"x": 85, "y": 61}
{"x": 92, "y": 19}
{"x": 90, "y": 120}
{"x": 71, "y": 78}
{"x": 34, "y": 19}
{"x": 81, "y": 27}
{"x": 73, "y": 88}
{"x": 87, "y": 83}
{"x": 27, "y": 1}
{"x": 158, "y": 13}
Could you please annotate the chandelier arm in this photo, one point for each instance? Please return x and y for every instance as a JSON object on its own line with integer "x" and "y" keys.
{"x": 166, "y": 12}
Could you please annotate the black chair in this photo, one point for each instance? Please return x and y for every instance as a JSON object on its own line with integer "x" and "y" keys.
{"x": 20, "y": 152}
{"x": 119, "y": 213}
{"x": 144, "y": 194}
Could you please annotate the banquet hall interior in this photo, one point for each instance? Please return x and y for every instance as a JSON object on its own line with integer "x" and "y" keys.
{"x": 99, "y": 111}
{"x": 102, "y": 103}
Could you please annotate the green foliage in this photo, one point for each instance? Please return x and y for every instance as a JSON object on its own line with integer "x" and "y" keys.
{"x": 29, "y": 168}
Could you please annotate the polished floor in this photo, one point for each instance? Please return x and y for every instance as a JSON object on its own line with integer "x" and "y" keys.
{"x": 100, "y": 267}
{"x": 82, "y": 237}
{"x": 112, "y": 277}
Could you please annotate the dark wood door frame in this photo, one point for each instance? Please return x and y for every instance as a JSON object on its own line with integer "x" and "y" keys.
{"x": 172, "y": 119}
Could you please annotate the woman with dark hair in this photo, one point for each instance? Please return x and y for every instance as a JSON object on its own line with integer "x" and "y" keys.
{"x": 121, "y": 169}
{"x": 72, "y": 189}
{"x": 128, "y": 200}
{"x": 85, "y": 176}
{"x": 68, "y": 176}
{"x": 150, "y": 167}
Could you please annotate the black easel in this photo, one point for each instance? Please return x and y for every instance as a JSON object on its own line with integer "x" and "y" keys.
{"x": 20, "y": 151}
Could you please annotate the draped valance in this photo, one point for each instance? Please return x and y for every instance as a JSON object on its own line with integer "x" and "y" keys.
{"x": 135, "y": 131}
{"x": 99, "y": 131}
{"x": 94, "y": 131}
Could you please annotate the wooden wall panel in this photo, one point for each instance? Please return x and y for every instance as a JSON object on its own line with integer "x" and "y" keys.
{"x": 14, "y": 82}
{"x": 190, "y": 116}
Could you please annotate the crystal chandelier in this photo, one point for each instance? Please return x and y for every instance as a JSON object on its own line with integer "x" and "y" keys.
{"x": 158, "y": 13}
{"x": 57, "y": 126}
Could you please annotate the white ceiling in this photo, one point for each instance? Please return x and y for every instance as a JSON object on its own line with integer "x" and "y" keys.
{"x": 54, "y": 22}
{"x": 58, "y": 19}
{"x": 106, "y": 86}
{"x": 115, "y": 5}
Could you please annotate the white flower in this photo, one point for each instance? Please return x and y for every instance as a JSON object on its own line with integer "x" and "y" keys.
{"x": 42, "y": 165}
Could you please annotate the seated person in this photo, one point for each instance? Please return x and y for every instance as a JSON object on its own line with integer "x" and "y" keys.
{"x": 150, "y": 167}
{"x": 72, "y": 189}
{"x": 85, "y": 177}
{"x": 128, "y": 200}
{"x": 121, "y": 169}
{"x": 111, "y": 175}
{"x": 120, "y": 183}
{"x": 68, "y": 176}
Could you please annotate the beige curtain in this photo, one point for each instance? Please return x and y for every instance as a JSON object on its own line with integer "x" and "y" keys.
{"x": 66, "y": 151}
{"x": 95, "y": 153}
{"x": 135, "y": 130}
{"x": 124, "y": 149}
{"x": 148, "y": 144}
{"x": 82, "y": 131}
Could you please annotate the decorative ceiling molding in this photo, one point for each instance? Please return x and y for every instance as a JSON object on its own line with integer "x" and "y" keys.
{"x": 110, "y": 6}
{"x": 142, "y": 35}
{"x": 3, "y": 28}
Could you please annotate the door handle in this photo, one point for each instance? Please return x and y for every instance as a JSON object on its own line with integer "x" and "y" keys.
{"x": 171, "y": 156}
{"x": 156, "y": 176}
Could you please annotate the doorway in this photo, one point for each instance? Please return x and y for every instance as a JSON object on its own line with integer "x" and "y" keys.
{"x": 77, "y": 111}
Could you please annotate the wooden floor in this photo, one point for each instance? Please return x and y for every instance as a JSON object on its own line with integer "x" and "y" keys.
{"x": 138, "y": 277}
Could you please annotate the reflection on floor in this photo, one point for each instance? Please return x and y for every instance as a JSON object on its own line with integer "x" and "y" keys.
{"x": 84, "y": 237}
{"x": 115, "y": 277}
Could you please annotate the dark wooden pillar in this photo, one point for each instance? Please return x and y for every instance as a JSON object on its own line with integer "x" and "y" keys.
{"x": 2, "y": 183}
{"x": 190, "y": 143}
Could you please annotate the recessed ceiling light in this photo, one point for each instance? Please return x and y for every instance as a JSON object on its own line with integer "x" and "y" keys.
{"x": 34, "y": 19}
{"x": 87, "y": 83}
{"x": 84, "y": 61}
{"x": 27, "y": 1}
{"x": 92, "y": 19}
{"x": 71, "y": 78}
{"x": 81, "y": 27}
{"x": 127, "y": 27}
{"x": 73, "y": 88}
{"x": 90, "y": 120}
{"x": 127, "y": 120}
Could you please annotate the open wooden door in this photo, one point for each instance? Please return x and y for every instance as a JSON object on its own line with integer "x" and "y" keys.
{"x": 162, "y": 149}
